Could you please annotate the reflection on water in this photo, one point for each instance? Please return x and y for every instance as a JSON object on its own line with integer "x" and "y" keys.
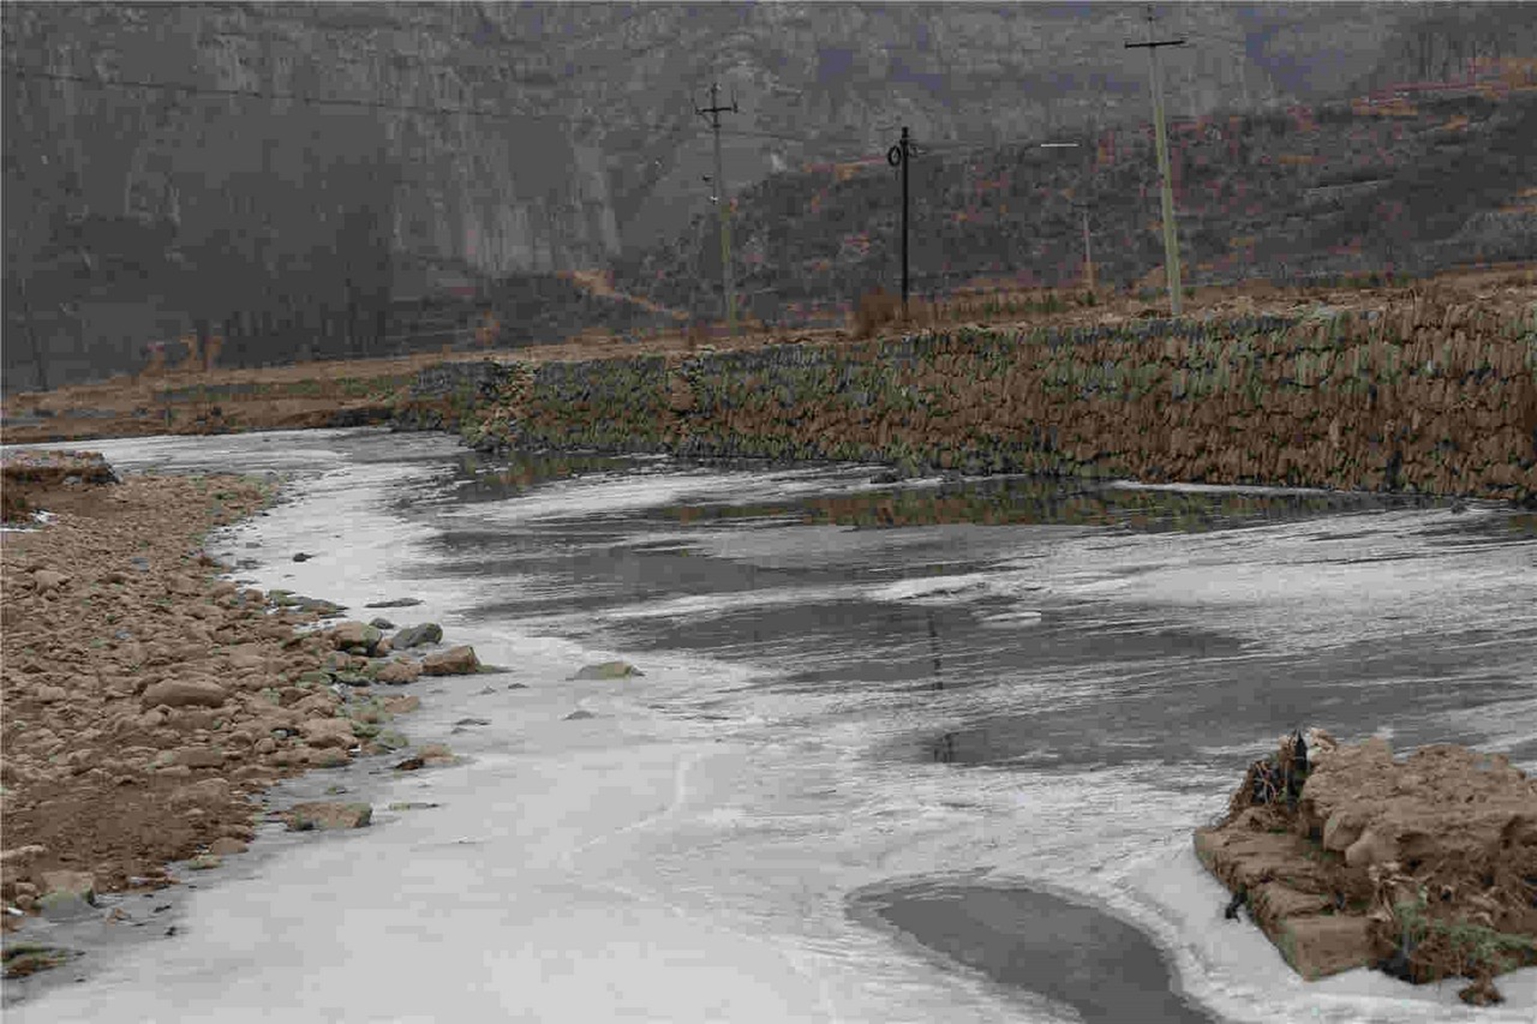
{"x": 495, "y": 479}
{"x": 1041, "y": 501}
{"x": 985, "y": 500}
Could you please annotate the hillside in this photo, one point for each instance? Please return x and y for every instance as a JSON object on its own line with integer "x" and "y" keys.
{"x": 1397, "y": 186}
{"x": 160, "y": 179}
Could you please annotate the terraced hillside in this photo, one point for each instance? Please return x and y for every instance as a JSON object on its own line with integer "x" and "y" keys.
{"x": 1390, "y": 185}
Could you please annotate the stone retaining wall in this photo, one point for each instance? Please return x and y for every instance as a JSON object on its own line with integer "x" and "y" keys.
{"x": 1418, "y": 396}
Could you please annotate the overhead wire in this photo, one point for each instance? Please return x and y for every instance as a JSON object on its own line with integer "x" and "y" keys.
{"x": 336, "y": 101}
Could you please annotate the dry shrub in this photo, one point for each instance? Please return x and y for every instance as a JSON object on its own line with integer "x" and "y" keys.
{"x": 876, "y": 309}
{"x": 156, "y": 365}
{"x": 211, "y": 352}
{"x": 194, "y": 351}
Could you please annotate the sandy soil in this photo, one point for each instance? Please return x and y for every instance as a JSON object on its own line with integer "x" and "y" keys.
{"x": 146, "y": 701}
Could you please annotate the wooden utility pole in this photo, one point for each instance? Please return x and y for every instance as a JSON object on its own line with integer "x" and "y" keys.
{"x": 899, "y": 156}
{"x": 714, "y": 111}
{"x": 1170, "y": 239}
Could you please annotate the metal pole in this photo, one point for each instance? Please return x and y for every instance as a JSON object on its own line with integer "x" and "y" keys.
{"x": 906, "y": 138}
{"x": 898, "y": 156}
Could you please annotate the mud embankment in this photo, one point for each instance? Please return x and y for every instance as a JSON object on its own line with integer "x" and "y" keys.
{"x": 1418, "y": 396}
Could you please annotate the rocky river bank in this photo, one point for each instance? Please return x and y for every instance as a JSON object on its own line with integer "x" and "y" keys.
{"x": 149, "y": 702}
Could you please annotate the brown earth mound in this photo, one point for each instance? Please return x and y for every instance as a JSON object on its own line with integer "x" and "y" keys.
{"x": 23, "y": 472}
{"x": 1425, "y": 868}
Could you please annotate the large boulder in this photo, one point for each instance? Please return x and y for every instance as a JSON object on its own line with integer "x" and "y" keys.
{"x": 456, "y": 661}
{"x": 180, "y": 693}
{"x": 415, "y": 636}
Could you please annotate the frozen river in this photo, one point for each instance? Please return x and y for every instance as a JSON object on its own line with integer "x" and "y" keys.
{"x": 883, "y": 765}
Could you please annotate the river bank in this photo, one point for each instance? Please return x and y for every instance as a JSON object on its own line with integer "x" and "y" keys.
{"x": 150, "y": 704}
{"x": 1426, "y": 395}
{"x": 1424, "y": 390}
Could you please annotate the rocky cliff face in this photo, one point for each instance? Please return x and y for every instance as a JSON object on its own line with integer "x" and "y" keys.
{"x": 453, "y": 190}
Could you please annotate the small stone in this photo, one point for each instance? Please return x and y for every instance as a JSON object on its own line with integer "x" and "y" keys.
{"x": 301, "y": 557}
{"x": 22, "y": 854}
{"x": 266, "y": 745}
{"x": 455, "y": 661}
{"x": 410, "y": 764}
{"x": 327, "y": 815}
{"x": 224, "y": 846}
{"x": 204, "y": 861}
{"x": 399, "y": 673}
{"x": 473, "y": 721}
{"x": 328, "y": 732}
{"x": 64, "y": 906}
{"x": 75, "y": 883}
{"x": 579, "y": 713}
{"x": 380, "y": 622}
{"x": 608, "y": 670}
{"x": 329, "y": 758}
{"x": 415, "y": 636}
{"x": 50, "y": 694}
{"x": 348, "y": 635}
{"x": 391, "y": 739}
{"x": 200, "y": 757}
{"x": 213, "y": 790}
{"x": 184, "y": 693}
{"x": 48, "y": 579}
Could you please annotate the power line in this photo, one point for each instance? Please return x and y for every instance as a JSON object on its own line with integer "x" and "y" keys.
{"x": 207, "y": 90}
